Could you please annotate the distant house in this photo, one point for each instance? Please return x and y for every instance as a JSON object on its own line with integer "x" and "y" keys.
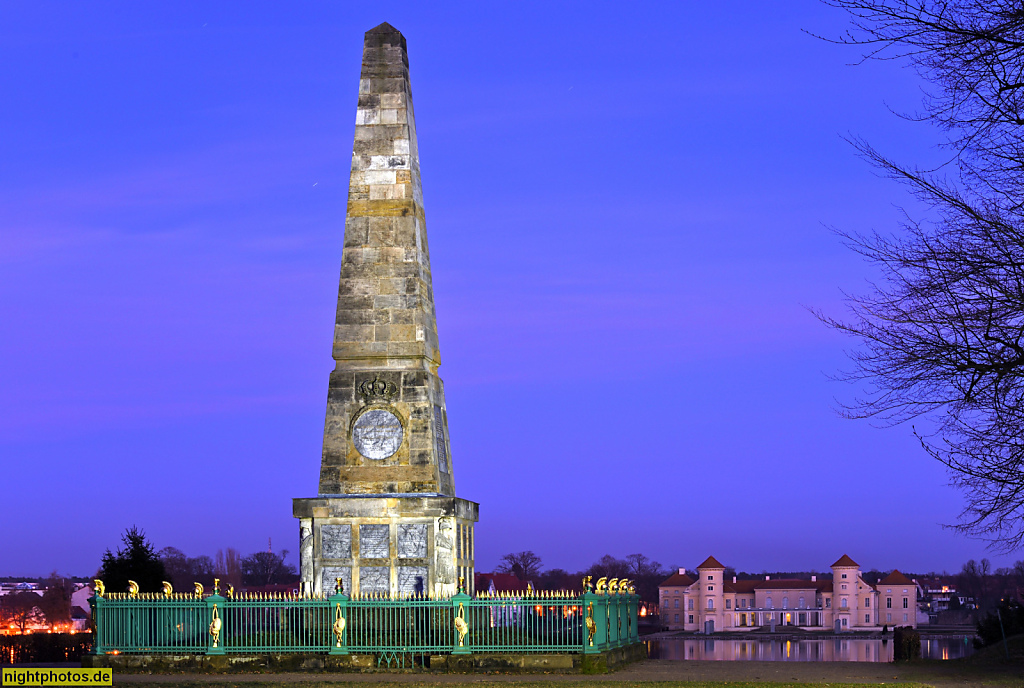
{"x": 503, "y": 584}
{"x": 79, "y": 619}
{"x": 500, "y": 583}
{"x": 705, "y": 602}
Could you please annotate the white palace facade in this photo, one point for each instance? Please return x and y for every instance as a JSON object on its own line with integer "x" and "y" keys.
{"x": 709, "y": 603}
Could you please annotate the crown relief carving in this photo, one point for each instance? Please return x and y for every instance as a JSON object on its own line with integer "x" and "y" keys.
{"x": 377, "y": 389}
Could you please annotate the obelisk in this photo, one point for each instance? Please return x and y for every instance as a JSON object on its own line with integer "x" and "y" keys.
{"x": 386, "y": 519}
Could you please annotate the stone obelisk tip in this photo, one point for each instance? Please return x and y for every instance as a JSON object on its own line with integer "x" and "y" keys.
{"x": 384, "y": 33}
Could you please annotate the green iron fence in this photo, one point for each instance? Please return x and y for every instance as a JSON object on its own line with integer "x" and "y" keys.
{"x": 540, "y": 622}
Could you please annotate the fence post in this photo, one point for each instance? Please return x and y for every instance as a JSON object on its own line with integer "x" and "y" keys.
{"x": 460, "y": 616}
{"x": 595, "y": 615}
{"x": 215, "y": 614}
{"x": 338, "y": 607}
{"x": 634, "y": 617}
{"x": 94, "y": 606}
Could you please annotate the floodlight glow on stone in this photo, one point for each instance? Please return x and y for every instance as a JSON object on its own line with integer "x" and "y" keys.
{"x": 377, "y": 434}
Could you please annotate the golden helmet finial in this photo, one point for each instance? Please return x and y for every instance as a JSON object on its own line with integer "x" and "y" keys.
{"x": 98, "y": 587}
{"x": 133, "y": 589}
{"x": 601, "y": 585}
{"x": 198, "y": 589}
{"x": 613, "y": 586}
{"x": 168, "y": 589}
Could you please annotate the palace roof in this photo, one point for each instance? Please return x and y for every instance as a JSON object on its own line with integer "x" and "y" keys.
{"x": 711, "y": 563}
{"x": 679, "y": 579}
{"x": 845, "y": 560}
{"x": 895, "y": 578}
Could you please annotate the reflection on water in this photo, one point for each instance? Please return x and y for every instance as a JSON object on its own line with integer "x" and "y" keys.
{"x": 802, "y": 650}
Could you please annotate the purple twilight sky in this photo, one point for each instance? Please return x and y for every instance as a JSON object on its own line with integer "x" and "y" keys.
{"x": 628, "y": 210}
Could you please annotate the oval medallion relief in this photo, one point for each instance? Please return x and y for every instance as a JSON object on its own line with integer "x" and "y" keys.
{"x": 377, "y": 434}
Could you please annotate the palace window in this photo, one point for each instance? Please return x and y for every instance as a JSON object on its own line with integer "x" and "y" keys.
{"x": 843, "y": 603}
{"x": 802, "y": 603}
{"x": 828, "y": 602}
{"x": 888, "y": 603}
{"x": 844, "y": 621}
{"x": 844, "y": 586}
{"x": 676, "y": 618}
{"x": 867, "y": 601}
{"x": 728, "y": 604}
{"x": 689, "y": 604}
{"x": 691, "y": 618}
{"x": 888, "y": 617}
{"x": 905, "y": 602}
{"x": 711, "y": 588}
{"x": 785, "y": 603}
{"x": 844, "y": 575}
{"x": 904, "y": 618}
{"x": 711, "y": 603}
{"x": 677, "y": 604}
{"x": 768, "y": 603}
{"x": 711, "y": 578}
{"x": 867, "y": 618}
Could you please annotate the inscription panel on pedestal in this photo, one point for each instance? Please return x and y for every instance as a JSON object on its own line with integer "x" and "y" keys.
{"x": 412, "y": 580}
{"x": 374, "y": 579}
{"x": 330, "y": 573}
{"x": 374, "y": 541}
{"x": 412, "y": 540}
{"x": 336, "y": 541}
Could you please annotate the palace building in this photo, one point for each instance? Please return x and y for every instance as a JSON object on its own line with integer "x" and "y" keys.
{"x": 707, "y": 602}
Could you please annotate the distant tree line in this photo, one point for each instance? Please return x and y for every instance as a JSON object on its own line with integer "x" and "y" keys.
{"x": 139, "y": 561}
{"x": 645, "y": 573}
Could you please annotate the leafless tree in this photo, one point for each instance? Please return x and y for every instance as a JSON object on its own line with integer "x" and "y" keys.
{"x": 267, "y": 568}
{"x": 942, "y": 331}
{"x": 523, "y": 565}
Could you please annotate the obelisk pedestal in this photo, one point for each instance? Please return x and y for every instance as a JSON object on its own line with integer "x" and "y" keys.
{"x": 386, "y": 519}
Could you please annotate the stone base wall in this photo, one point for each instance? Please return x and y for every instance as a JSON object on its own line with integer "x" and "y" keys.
{"x": 386, "y": 544}
{"x": 321, "y": 663}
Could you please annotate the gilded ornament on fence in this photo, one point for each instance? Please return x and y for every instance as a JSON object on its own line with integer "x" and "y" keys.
{"x": 591, "y": 625}
{"x": 216, "y": 586}
{"x": 339, "y": 587}
{"x": 199, "y": 589}
{"x": 601, "y": 585}
{"x": 99, "y": 588}
{"x": 133, "y": 589}
{"x": 168, "y": 589}
{"x": 613, "y": 586}
{"x": 231, "y": 591}
{"x": 215, "y": 626}
{"x": 461, "y": 626}
{"x": 339, "y": 625}
{"x": 586, "y": 584}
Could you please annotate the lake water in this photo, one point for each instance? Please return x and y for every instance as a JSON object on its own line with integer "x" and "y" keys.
{"x": 803, "y": 650}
